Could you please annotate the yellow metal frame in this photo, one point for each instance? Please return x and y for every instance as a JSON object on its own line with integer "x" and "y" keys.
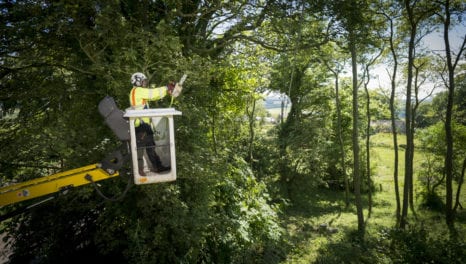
{"x": 54, "y": 183}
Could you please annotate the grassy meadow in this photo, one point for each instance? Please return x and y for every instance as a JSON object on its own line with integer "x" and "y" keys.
{"x": 321, "y": 230}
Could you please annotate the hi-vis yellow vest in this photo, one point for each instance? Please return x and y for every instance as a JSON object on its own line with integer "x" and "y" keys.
{"x": 139, "y": 97}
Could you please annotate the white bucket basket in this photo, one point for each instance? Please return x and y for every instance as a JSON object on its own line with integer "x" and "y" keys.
{"x": 164, "y": 137}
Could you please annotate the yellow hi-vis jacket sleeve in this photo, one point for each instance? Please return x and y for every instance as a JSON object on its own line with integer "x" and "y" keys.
{"x": 139, "y": 96}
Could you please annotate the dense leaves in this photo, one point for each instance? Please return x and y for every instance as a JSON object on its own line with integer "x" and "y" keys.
{"x": 57, "y": 66}
{"x": 236, "y": 175}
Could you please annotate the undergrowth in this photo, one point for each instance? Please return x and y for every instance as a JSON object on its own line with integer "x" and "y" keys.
{"x": 320, "y": 229}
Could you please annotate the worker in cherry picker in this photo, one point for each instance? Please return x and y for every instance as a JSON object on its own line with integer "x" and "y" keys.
{"x": 139, "y": 97}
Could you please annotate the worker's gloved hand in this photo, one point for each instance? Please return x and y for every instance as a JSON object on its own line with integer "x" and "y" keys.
{"x": 177, "y": 90}
{"x": 171, "y": 87}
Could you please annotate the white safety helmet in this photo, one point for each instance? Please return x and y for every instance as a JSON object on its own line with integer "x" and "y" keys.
{"x": 137, "y": 78}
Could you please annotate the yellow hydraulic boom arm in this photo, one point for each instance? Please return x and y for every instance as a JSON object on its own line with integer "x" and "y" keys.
{"x": 54, "y": 183}
{"x": 62, "y": 181}
{"x": 108, "y": 168}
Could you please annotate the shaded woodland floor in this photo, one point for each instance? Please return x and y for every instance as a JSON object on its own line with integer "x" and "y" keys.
{"x": 321, "y": 230}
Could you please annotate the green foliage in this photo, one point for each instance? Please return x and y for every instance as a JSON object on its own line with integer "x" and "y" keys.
{"x": 242, "y": 221}
{"x": 432, "y": 140}
{"x": 428, "y": 114}
{"x": 63, "y": 231}
{"x": 90, "y": 51}
{"x": 350, "y": 250}
{"x": 380, "y": 103}
{"x": 417, "y": 245}
{"x": 266, "y": 162}
{"x": 59, "y": 58}
{"x": 432, "y": 201}
{"x": 460, "y": 111}
{"x": 213, "y": 215}
{"x": 308, "y": 140}
{"x": 381, "y": 244}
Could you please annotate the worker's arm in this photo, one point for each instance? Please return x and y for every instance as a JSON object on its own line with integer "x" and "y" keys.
{"x": 139, "y": 95}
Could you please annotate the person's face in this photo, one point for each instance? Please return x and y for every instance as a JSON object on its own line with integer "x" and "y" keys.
{"x": 144, "y": 83}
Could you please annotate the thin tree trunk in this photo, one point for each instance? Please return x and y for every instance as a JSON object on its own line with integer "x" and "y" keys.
{"x": 356, "y": 172}
{"x": 282, "y": 111}
{"x": 449, "y": 212}
{"x": 368, "y": 137}
{"x": 396, "y": 158}
{"x": 213, "y": 127}
{"x": 251, "y": 129}
{"x": 368, "y": 131}
{"x": 413, "y": 131}
{"x": 340, "y": 134}
{"x": 341, "y": 141}
{"x": 393, "y": 123}
{"x": 408, "y": 110}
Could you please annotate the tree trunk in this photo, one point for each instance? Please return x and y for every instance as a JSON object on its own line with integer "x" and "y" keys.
{"x": 368, "y": 132}
{"x": 368, "y": 137}
{"x": 282, "y": 111}
{"x": 449, "y": 212}
{"x": 413, "y": 131}
{"x": 293, "y": 116}
{"x": 408, "y": 123}
{"x": 355, "y": 136}
{"x": 251, "y": 128}
{"x": 393, "y": 123}
{"x": 340, "y": 140}
{"x": 213, "y": 131}
{"x": 340, "y": 133}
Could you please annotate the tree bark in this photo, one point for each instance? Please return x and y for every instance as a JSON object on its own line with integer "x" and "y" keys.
{"x": 341, "y": 141}
{"x": 409, "y": 136}
{"x": 449, "y": 212}
{"x": 251, "y": 128}
{"x": 340, "y": 134}
{"x": 355, "y": 136}
{"x": 393, "y": 121}
{"x": 368, "y": 137}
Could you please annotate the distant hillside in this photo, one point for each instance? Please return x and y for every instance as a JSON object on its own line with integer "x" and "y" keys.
{"x": 275, "y": 101}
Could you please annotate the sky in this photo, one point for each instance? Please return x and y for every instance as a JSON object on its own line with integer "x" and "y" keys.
{"x": 434, "y": 42}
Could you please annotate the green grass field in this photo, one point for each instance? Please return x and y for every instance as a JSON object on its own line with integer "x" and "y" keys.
{"x": 312, "y": 244}
{"x": 276, "y": 112}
